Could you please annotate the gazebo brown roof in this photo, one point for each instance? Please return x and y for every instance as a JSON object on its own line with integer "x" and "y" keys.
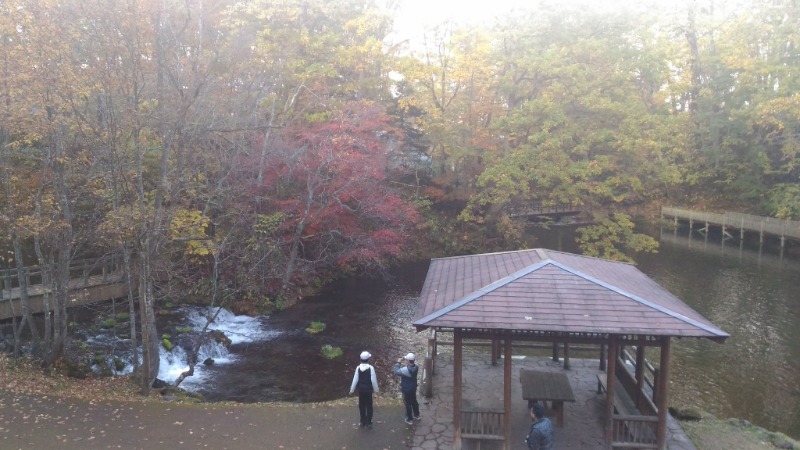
{"x": 551, "y": 296}
{"x": 546, "y": 290}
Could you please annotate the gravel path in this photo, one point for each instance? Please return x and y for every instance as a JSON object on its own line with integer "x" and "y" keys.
{"x": 47, "y": 422}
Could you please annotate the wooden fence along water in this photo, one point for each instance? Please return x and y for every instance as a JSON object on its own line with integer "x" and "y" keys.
{"x": 530, "y": 210}
{"x": 736, "y": 221}
{"x": 91, "y": 282}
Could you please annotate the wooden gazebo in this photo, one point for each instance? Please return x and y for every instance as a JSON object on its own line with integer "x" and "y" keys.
{"x": 561, "y": 298}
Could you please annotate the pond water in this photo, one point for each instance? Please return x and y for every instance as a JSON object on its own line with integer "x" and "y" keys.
{"x": 755, "y": 298}
{"x": 752, "y": 295}
{"x": 750, "y": 292}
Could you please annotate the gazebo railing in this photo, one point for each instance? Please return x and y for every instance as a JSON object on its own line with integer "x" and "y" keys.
{"x": 634, "y": 431}
{"x": 479, "y": 423}
{"x": 635, "y": 422}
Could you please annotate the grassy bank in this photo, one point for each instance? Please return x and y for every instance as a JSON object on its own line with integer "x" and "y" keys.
{"x": 711, "y": 433}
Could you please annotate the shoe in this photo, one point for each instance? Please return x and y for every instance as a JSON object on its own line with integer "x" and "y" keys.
{"x": 409, "y": 421}
{"x": 417, "y": 418}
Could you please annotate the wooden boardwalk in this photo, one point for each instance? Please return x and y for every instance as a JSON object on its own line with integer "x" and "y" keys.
{"x": 737, "y": 221}
{"x": 540, "y": 210}
{"x": 95, "y": 283}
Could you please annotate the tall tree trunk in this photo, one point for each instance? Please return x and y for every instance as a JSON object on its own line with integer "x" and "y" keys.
{"x": 126, "y": 259}
{"x": 296, "y": 240}
{"x": 61, "y": 272}
{"x": 22, "y": 278}
{"x": 47, "y": 280}
{"x": 150, "y": 347}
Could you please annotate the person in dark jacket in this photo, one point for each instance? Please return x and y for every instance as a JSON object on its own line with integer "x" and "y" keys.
{"x": 540, "y": 436}
{"x": 408, "y": 385}
{"x": 366, "y": 382}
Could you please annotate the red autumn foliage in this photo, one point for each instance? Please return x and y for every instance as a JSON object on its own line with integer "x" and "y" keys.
{"x": 329, "y": 179}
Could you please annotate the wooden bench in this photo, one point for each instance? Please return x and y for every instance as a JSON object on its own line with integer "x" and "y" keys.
{"x": 482, "y": 424}
{"x": 623, "y": 403}
{"x": 638, "y": 429}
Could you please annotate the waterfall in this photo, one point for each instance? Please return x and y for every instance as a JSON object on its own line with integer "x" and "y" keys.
{"x": 113, "y": 352}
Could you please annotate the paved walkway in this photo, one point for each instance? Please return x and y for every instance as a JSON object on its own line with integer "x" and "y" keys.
{"x": 483, "y": 387}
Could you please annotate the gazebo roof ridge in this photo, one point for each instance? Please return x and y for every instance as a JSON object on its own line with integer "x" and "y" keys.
{"x": 677, "y": 315}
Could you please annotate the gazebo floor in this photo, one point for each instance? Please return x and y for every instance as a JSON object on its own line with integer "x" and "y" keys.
{"x": 483, "y": 387}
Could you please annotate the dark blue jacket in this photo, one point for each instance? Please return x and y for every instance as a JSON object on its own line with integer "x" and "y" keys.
{"x": 408, "y": 377}
{"x": 541, "y": 435}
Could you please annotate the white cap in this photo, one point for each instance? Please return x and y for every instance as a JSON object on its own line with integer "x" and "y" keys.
{"x": 365, "y": 355}
{"x": 410, "y": 357}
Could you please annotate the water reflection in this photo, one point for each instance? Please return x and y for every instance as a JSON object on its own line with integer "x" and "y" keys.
{"x": 752, "y": 296}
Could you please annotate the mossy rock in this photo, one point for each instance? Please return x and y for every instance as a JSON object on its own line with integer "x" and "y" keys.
{"x": 316, "y": 327}
{"x": 686, "y": 414}
{"x": 331, "y": 352}
{"x": 167, "y": 344}
{"x": 220, "y": 338}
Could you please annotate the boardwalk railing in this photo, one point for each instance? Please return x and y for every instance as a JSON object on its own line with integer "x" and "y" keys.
{"x": 539, "y": 209}
{"x": 761, "y": 224}
{"x": 80, "y": 269}
{"x": 90, "y": 282}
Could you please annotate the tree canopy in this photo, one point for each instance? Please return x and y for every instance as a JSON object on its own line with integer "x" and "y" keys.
{"x": 249, "y": 151}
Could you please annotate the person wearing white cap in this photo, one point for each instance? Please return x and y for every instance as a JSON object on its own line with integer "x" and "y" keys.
{"x": 408, "y": 385}
{"x": 366, "y": 382}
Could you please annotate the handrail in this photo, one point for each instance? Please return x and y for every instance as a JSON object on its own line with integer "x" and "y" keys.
{"x": 627, "y": 357}
{"x": 86, "y": 268}
{"x": 772, "y": 225}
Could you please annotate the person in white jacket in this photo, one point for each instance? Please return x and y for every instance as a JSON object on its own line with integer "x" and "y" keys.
{"x": 366, "y": 382}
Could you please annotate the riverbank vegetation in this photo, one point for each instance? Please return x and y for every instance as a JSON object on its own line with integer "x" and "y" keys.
{"x": 248, "y": 153}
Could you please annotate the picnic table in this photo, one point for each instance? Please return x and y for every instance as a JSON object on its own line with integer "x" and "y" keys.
{"x": 547, "y": 387}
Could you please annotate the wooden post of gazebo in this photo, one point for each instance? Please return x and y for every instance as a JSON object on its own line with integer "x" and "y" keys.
{"x": 663, "y": 395}
{"x": 507, "y": 393}
{"x": 602, "y": 356}
{"x": 640, "y": 366}
{"x": 611, "y": 378}
{"x": 457, "y": 344}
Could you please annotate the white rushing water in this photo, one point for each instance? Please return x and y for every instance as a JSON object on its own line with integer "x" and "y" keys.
{"x": 241, "y": 330}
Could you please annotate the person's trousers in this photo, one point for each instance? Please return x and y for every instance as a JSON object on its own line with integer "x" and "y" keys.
{"x": 412, "y": 406}
{"x": 365, "y": 407}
